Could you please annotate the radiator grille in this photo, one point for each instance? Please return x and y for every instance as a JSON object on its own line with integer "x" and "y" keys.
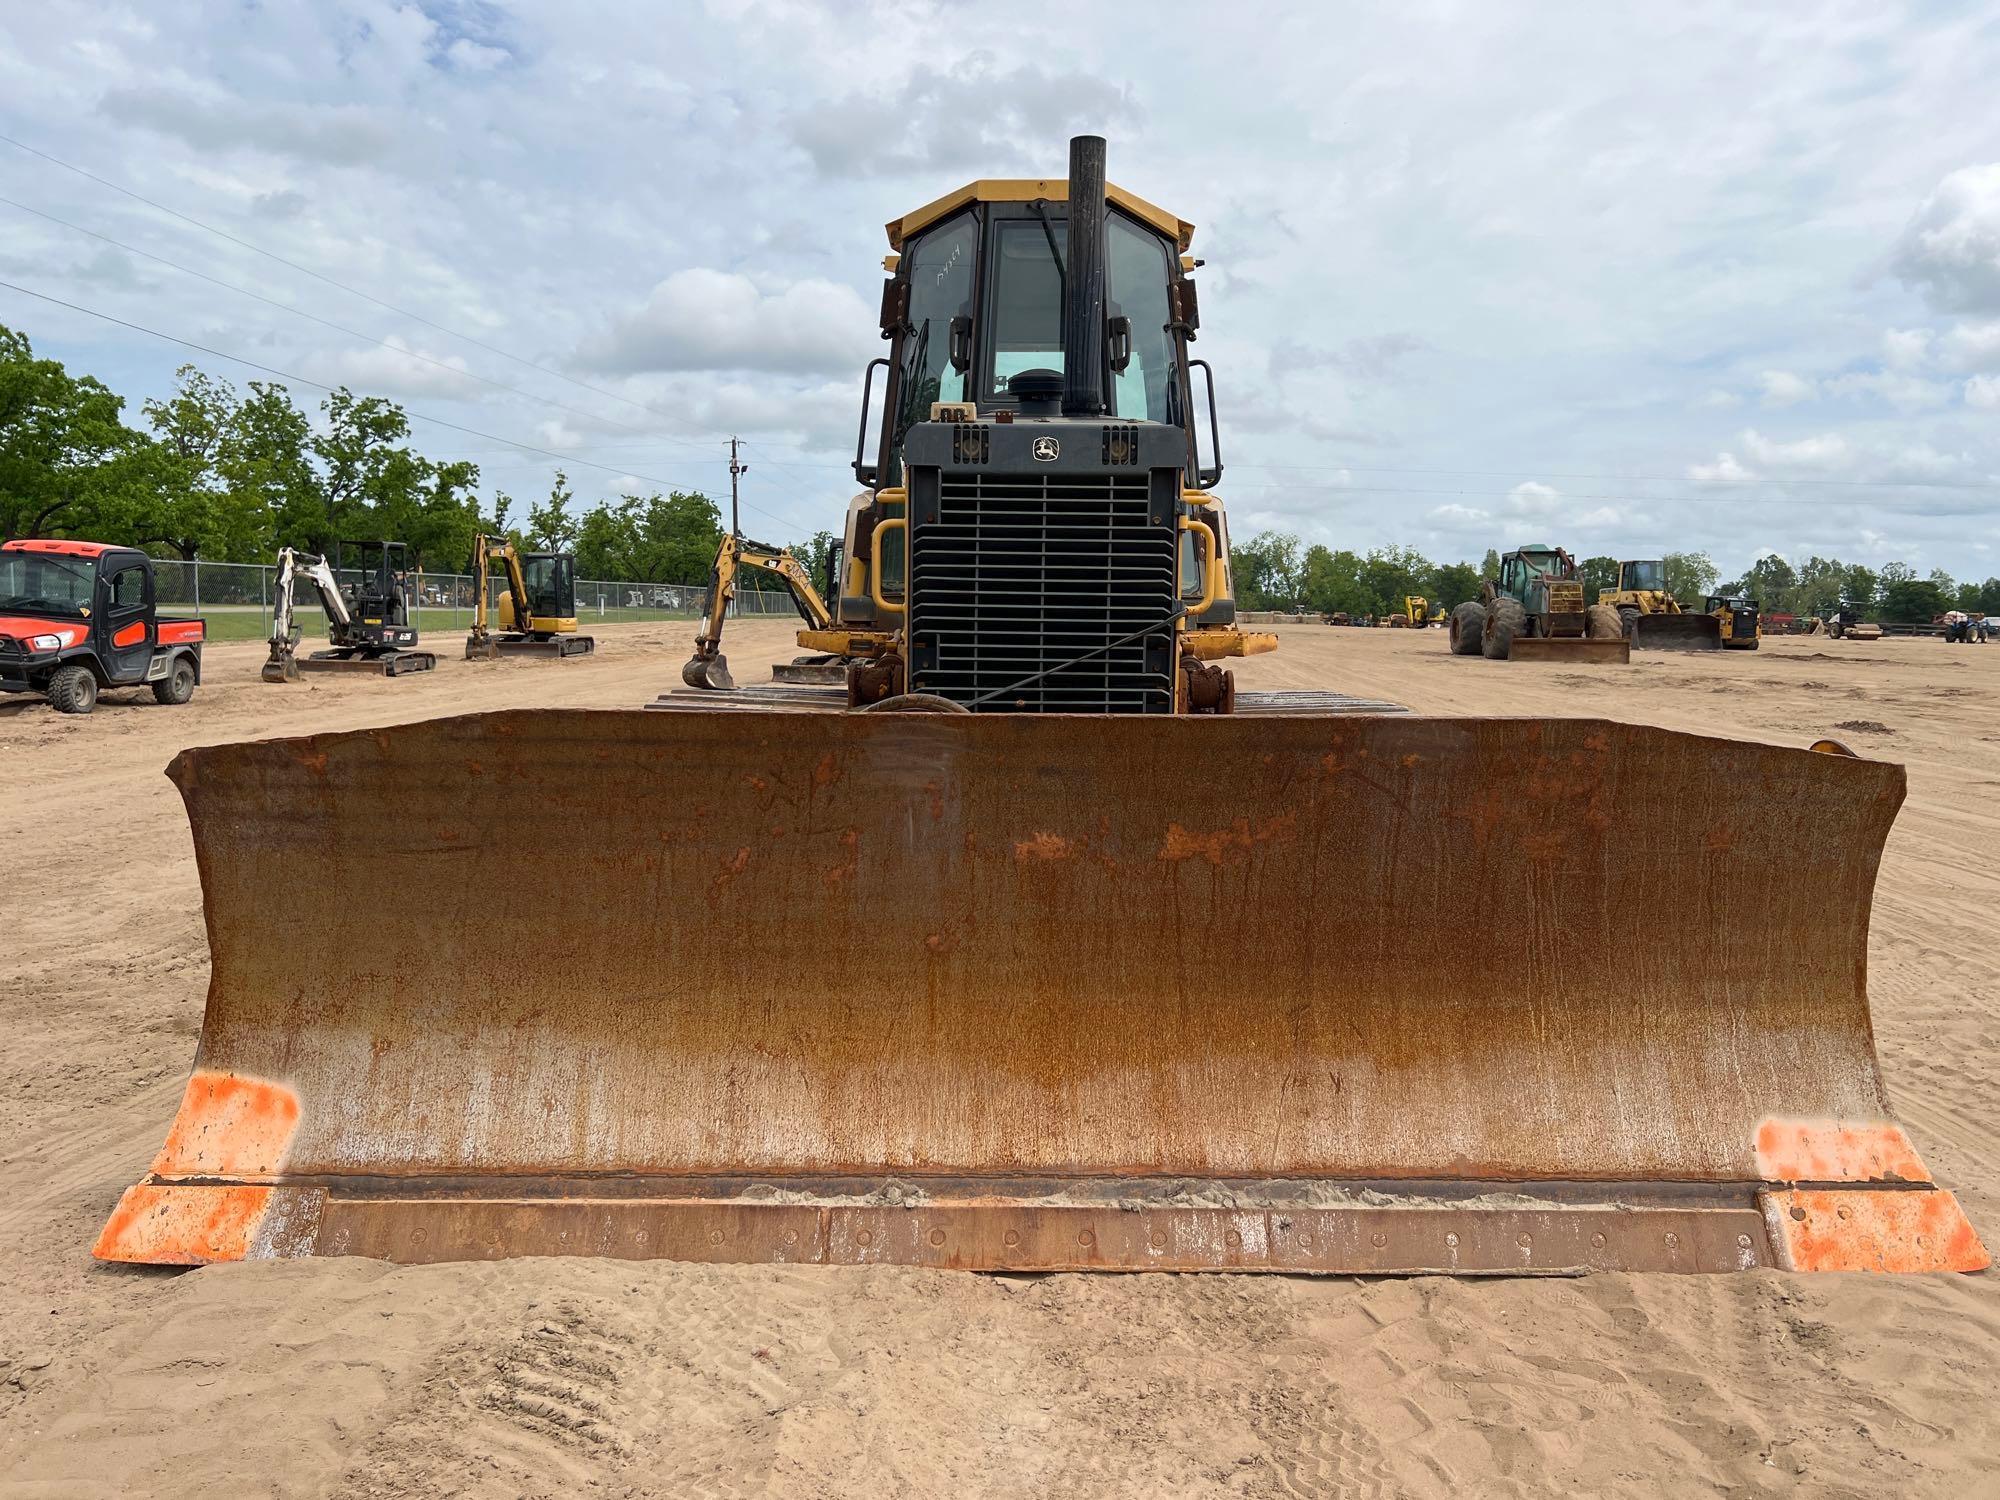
{"x": 1015, "y": 574}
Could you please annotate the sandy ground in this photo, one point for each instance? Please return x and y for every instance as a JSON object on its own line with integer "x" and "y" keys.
{"x": 537, "y": 1378}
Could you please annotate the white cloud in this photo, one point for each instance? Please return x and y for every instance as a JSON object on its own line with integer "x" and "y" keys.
{"x": 1904, "y": 391}
{"x": 1828, "y": 450}
{"x": 1725, "y": 470}
{"x": 1906, "y": 348}
{"x": 1951, "y": 248}
{"x": 1719, "y": 400}
{"x": 1983, "y": 392}
{"x": 1599, "y": 518}
{"x": 394, "y": 372}
{"x": 1971, "y": 346}
{"x": 1458, "y": 515}
{"x": 700, "y": 319}
{"x": 1533, "y": 498}
{"x": 1783, "y": 388}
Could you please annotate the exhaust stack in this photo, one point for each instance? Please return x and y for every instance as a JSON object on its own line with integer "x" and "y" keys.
{"x": 1083, "y": 285}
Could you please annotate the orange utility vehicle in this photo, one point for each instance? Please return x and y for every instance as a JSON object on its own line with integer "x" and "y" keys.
{"x": 79, "y": 617}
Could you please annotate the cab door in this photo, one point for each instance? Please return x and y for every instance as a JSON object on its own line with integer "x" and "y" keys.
{"x": 126, "y": 611}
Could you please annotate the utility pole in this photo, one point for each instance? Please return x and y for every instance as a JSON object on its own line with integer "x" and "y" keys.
{"x": 735, "y": 468}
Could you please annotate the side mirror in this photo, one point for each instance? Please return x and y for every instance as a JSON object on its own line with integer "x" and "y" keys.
{"x": 1121, "y": 343}
{"x": 961, "y": 343}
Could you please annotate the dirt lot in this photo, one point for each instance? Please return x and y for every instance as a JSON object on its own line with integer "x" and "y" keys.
{"x": 537, "y": 1378}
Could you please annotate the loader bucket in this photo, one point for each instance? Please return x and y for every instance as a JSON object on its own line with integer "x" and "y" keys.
{"x": 1677, "y": 633}
{"x": 1312, "y": 993}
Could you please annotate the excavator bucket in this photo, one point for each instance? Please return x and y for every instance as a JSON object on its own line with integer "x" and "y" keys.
{"x": 1310, "y": 993}
{"x": 1677, "y": 633}
{"x": 700, "y": 671}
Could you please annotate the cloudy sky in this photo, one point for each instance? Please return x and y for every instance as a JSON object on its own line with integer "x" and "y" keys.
{"x": 1631, "y": 278}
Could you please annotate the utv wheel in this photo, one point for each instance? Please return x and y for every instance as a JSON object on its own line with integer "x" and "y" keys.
{"x": 178, "y": 685}
{"x": 72, "y": 690}
{"x": 1468, "y": 623}
{"x": 1505, "y": 619}
{"x": 1602, "y": 622}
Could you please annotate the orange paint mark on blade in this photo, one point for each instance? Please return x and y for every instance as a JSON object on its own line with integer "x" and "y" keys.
{"x": 1872, "y": 1229}
{"x": 1836, "y": 1151}
{"x": 1224, "y": 844}
{"x": 1045, "y": 846}
{"x": 182, "y": 1225}
{"x": 229, "y": 1126}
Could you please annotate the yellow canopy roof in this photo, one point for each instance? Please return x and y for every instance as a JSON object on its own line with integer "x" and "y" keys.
{"x": 1026, "y": 190}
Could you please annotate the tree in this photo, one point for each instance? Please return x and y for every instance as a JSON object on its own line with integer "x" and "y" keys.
{"x": 1859, "y": 586}
{"x": 1771, "y": 581}
{"x": 1597, "y": 574}
{"x": 1330, "y": 582}
{"x": 550, "y": 525}
{"x": 1980, "y": 598}
{"x": 1267, "y": 571}
{"x": 59, "y": 434}
{"x": 1690, "y": 577}
{"x": 651, "y": 539}
{"x": 1390, "y": 575}
{"x": 1912, "y": 601}
{"x": 1489, "y": 565}
{"x": 264, "y": 463}
{"x": 1453, "y": 584}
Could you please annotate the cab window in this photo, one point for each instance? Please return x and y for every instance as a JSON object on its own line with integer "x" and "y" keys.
{"x": 1027, "y": 298}
{"x": 127, "y": 589}
{"x": 940, "y": 266}
{"x": 1137, "y": 270}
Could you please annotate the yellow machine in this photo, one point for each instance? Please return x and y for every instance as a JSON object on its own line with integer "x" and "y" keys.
{"x": 1067, "y": 954}
{"x": 1739, "y": 620}
{"x": 836, "y": 647}
{"x": 1417, "y": 611}
{"x": 1653, "y": 618}
{"x": 537, "y": 609}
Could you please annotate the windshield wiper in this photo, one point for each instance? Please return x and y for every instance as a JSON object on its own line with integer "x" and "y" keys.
{"x": 1041, "y": 208}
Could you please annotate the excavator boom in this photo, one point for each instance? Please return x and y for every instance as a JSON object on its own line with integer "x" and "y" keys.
{"x": 1038, "y": 992}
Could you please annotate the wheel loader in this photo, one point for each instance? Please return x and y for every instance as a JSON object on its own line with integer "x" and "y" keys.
{"x": 1066, "y": 955}
{"x": 1652, "y": 617}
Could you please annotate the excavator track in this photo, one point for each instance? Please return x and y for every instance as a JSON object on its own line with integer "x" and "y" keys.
{"x": 1321, "y": 992}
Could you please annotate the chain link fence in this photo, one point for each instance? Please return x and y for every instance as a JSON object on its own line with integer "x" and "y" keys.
{"x": 236, "y": 599}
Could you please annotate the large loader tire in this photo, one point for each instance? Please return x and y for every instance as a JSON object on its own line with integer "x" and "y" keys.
{"x": 72, "y": 689}
{"x": 1628, "y": 622}
{"x": 1505, "y": 619}
{"x": 1468, "y": 624}
{"x": 1602, "y": 622}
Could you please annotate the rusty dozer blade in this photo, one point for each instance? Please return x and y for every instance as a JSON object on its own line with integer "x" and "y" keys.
{"x": 1319, "y": 993}
{"x": 1677, "y": 633}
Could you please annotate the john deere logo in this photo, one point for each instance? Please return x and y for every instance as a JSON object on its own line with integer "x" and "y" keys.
{"x": 1047, "y": 449}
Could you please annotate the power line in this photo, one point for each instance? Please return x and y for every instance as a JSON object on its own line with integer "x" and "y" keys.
{"x": 491, "y": 437}
{"x": 401, "y": 312}
{"x": 406, "y": 352}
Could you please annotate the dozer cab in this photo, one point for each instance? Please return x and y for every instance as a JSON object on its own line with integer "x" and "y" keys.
{"x": 1534, "y": 611}
{"x": 1651, "y": 617}
{"x": 1064, "y": 972}
{"x": 537, "y": 609}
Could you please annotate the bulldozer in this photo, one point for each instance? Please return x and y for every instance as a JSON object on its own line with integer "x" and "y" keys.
{"x": 537, "y": 613}
{"x": 1652, "y": 618}
{"x": 1062, "y": 961}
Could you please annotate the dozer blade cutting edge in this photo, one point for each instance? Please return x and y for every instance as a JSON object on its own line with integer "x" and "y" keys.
{"x": 1315, "y": 993}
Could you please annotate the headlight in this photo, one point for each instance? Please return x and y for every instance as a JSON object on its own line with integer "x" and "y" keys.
{"x": 47, "y": 642}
